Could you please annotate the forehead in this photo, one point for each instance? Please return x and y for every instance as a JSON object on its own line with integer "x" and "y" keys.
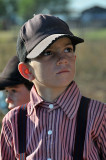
{"x": 14, "y": 87}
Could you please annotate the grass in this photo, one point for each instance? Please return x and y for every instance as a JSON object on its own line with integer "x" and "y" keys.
{"x": 96, "y": 34}
{"x": 90, "y": 62}
{"x": 91, "y": 34}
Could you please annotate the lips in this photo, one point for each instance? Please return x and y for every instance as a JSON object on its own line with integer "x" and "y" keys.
{"x": 63, "y": 71}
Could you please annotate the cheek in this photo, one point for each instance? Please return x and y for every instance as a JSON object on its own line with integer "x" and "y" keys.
{"x": 73, "y": 67}
{"x": 37, "y": 68}
{"x": 42, "y": 70}
{"x": 14, "y": 97}
{"x": 21, "y": 98}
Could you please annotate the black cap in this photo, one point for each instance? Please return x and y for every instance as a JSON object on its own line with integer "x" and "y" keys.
{"x": 39, "y": 32}
{"x": 11, "y": 76}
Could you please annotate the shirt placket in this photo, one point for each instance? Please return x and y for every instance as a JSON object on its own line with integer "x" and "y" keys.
{"x": 50, "y": 134}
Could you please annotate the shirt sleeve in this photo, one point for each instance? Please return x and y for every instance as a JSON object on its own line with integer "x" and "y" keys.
{"x": 101, "y": 141}
{"x": 6, "y": 142}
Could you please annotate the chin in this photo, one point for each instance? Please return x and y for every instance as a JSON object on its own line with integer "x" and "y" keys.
{"x": 11, "y": 106}
{"x": 65, "y": 82}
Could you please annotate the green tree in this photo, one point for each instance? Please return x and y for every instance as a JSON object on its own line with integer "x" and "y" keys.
{"x": 11, "y": 10}
{"x": 26, "y": 8}
{"x": 8, "y": 7}
{"x": 59, "y": 6}
{"x": 8, "y": 10}
{"x": 2, "y": 8}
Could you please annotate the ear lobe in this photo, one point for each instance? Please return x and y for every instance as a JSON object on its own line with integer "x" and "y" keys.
{"x": 24, "y": 71}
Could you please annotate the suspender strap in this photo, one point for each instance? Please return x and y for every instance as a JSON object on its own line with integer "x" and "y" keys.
{"x": 22, "y": 131}
{"x": 81, "y": 128}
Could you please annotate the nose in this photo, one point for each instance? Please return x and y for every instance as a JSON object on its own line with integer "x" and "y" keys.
{"x": 62, "y": 60}
{"x": 8, "y": 100}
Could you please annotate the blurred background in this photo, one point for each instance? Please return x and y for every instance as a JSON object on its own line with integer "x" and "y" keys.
{"x": 86, "y": 19}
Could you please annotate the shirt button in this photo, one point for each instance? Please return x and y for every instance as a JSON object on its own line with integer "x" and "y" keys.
{"x": 49, "y": 132}
{"x": 49, "y": 159}
{"x": 50, "y": 106}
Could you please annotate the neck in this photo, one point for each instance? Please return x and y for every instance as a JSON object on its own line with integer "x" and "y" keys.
{"x": 49, "y": 94}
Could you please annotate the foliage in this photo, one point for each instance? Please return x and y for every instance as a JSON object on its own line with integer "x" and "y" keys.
{"x": 10, "y": 10}
{"x": 2, "y": 8}
{"x": 8, "y": 7}
{"x": 26, "y": 8}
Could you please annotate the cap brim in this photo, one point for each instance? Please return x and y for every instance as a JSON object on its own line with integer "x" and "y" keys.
{"x": 7, "y": 83}
{"x": 48, "y": 41}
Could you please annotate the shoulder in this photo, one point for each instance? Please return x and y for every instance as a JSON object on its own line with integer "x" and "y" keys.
{"x": 12, "y": 116}
{"x": 96, "y": 116}
{"x": 97, "y": 108}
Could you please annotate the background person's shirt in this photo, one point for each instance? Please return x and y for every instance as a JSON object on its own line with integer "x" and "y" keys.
{"x": 51, "y": 128}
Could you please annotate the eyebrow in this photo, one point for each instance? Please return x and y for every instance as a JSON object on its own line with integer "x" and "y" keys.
{"x": 69, "y": 44}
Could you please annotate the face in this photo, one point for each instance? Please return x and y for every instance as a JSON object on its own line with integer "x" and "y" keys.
{"x": 55, "y": 67}
{"x": 17, "y": 95}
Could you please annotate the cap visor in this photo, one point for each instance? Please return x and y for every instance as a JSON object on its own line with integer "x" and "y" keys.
{"x": 48, "y": 41}
{"x": 6, "y": 83}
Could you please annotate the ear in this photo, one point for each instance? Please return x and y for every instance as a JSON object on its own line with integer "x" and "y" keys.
{"x": 25, "y": 71}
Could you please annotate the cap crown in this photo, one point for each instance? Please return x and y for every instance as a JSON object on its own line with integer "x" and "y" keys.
{"x": 35, "y": 30}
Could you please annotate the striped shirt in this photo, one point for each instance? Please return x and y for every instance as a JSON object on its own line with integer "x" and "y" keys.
{"x": 51, "y": 128}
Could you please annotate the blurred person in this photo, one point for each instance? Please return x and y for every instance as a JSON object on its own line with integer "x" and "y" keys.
{"x": 61, "y": 123}
{"x": 17, "y": 88}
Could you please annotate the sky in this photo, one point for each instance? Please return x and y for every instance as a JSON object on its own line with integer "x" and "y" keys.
{"x": 81, "y": 5}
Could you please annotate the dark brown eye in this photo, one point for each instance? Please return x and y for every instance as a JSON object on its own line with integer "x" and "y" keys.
{"x": 14, "y": 91}
{"x": 47, "y": 53}
{"x": 68, "y": 50}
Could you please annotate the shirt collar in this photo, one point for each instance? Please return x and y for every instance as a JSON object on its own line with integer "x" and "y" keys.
{"x": 35, "y": 99}
{"x": 68, "y": 101}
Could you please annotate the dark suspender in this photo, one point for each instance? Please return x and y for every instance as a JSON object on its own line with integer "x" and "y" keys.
{"x": 22, "y": 117}
{"x": 81, "y": 128}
